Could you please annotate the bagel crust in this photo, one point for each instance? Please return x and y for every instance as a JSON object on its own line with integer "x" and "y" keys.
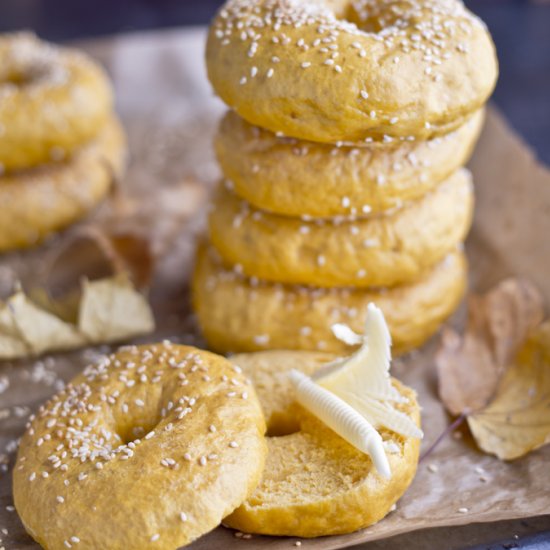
{"x": 238, "y": 314}
{"x": 154, "y": 444}
{"x": 43, "y": 200}
{"x": 52, "y": 101}
{"x": 344, "y": 70}
{"x": 314, "y": 482}
{"x": 384, "y": 250}
{"x": 298, "y": 178}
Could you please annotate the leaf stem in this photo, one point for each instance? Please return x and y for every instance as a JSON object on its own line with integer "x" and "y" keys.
{"x": 450, "y": 428}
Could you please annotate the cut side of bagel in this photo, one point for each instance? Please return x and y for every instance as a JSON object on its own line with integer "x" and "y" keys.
{"x": 315, "y": 483}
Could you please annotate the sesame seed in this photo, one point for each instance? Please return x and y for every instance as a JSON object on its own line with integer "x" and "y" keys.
{"x": 433, "y": 468}
{"x": 305, "y": 64}
{"x": 233, "y": 444}
{"x": 60, "y": 499}
{"x": 463, "y": 510}
{"x": 270, "y": 72}
{"x": 155, "y": 537}
{"x": 364, "y": 94}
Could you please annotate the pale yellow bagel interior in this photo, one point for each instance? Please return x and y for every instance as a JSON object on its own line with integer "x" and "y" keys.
{"x": 150, "y": 448}
{"x": 314, "y": 482}
{"x": 295, "y": 178}
{"x": 43, "y": 200}
{"x": 238, "y": 314}
{"x": 345, "y": 70}
{"x": 52, "y": 101}
{"x": 383, "y": 250}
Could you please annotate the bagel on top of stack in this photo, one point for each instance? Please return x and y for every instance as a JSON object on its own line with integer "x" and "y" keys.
{"x": 342, "y": 160}
{"x": 61, "y": 145}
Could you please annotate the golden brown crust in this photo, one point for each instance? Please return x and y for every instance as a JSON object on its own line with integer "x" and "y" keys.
{"x": 315, "y": 483}
{"x": 52, "y": 101}
{"x": 363, "y": 69}
{"x": 237, "y": 314}
{"x": 198, "y": 450}
{"x": 43, "y": 200}
{"x": 295, "y": 178}
{"x": 379, "y": 251}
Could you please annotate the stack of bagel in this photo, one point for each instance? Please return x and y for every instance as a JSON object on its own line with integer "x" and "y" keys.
{"x": 61, "y": 145}
{"x": 343, "y": 169}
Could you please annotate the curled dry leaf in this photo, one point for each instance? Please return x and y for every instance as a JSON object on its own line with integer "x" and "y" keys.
{"x": 518, "y": 418}
{"x": 88, "y": 296}
{"x": 498, "y": 372}
{"x": 470, "y": 366}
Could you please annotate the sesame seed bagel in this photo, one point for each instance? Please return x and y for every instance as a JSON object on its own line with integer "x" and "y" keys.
{"x": 296, "y": 178}
{"x": 314, "y": 482}
{"x": 153, "y": 444}
{"x": 42, "y": 200}
{"x": 346, "y": 70}
{"x": 52, "y": 100}
{"x": 238, "y": 314}
{"x": 384, "y": 250}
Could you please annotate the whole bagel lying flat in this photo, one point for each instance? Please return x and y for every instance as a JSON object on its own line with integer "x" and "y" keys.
{"x": 315, "y": 483}
{"x": 383, "y": 250}
{"x": 52, "y": 101}
{"x": 238, "y": 314}
{"x": 297, "y": 178}
{"x": 346, "y": 70}
{"x": 43, "y": 200}
{"x": 149, "y": 448}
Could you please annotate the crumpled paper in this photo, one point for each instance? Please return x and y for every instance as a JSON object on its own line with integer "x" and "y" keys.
{"x": 170, "y": 113}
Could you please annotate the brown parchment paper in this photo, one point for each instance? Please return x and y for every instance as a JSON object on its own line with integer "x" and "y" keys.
{"x": 170, "y": 114}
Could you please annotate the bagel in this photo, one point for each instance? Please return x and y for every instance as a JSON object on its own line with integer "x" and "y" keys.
{"x": 349, "y": 70}
{"x": 385, "y": 250}
{"x": 314, "y": 482}
{"x": 43, "y": 200}
{"x": 155, "y": 444}
{"x": 296, "y": 178}
{"x": 238, "y": 314}
{"x": 52, "y": 101}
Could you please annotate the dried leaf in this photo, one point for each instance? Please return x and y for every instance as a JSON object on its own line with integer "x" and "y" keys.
{"x": 109, "y": 310}
{"x": 112, "y": 310}
{"x": 518, "y": 418}
{"x": 97, "y": 253}
{"x": 470, "y": 366}
{"x": 498, "y": 373}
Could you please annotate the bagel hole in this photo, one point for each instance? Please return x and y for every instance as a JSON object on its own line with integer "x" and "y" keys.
{"x": 15, "y": 79}
{"x": 128, "y": 434}
{"x": 280, "y": 425}
{"x": 138, "y": 423}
